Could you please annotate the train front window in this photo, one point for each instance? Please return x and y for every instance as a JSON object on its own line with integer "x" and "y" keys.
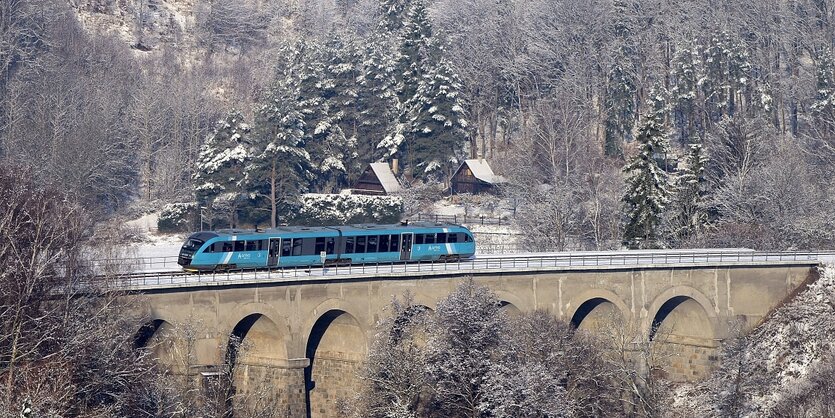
{"x": 192, "y": 244}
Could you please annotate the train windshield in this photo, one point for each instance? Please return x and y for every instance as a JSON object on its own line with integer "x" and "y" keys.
{"x": 192, "y": 244}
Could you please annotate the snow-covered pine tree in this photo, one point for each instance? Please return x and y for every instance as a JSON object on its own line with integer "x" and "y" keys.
{"x": 620, "y": 85}
{"x": 281, "y": 167}
{"x": 219, "y": 180}
{"x": 438, "y": 122}
{"x": 324, "y": 101}
{"x": 433, "y": 124}
{"x": 823, "y": 107}
{"x": 646, "y": 185}
{"x": 689, "y": 212}
{"x": 684, "y": 91}
{"x": 378, "y": 105}
{"x": 391, "y": 14}
{"x": 714, "y": 76}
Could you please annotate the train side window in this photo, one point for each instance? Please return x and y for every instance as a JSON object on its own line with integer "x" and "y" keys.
{"x": 210, "y": 249}
{"x": 430, "y": 239}
{"x": 468, "y": 238}
{"x": 227, "y": 247}
{"x": 442, "y": 238}
{"x": 286, "y": 246}
{"x": 418, "y": 238}
{"x": 252, "y": 245}
{"x": 452, "y": 238}
{"x": 384, "y": 243}
{"x": 297, "y": 246}
{"x": 330, "y": 244}
{"x": 360, "y": 245}
{"x": 349, "y": 245}
{"x": 395, "y": 243}
{"x": 372, "y": 244}
{"x": 320, "y": 245}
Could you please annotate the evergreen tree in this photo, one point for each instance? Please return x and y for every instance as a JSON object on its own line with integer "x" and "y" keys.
{"x": 219, "y": 176}
{"x": 726, "y": 78}
{"x": 823, "y": 107}
{"x": 378, "y": 106}
{"x": 620, "y": 85}
{"x": 438, "y": 122}
{"x": 279, "y": 158}
{"x": 392, "y": 13}
{"x": 432, "y": 125}
{"x": 646, "y": 189}
{"x": 325, "y": 101}
{"x": 690, "y": 215}
{"x": 684, "y": 91}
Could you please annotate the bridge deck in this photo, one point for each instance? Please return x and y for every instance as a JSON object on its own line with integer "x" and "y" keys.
{"x": 586, "y": 261}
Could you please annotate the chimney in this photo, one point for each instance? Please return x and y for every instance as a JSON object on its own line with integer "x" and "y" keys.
{"x": 394, "y": 165}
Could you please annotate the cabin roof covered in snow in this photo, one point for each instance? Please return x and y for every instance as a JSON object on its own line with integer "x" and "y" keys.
{"x": 482, "y": 171}
{"x": 386, "y": 177}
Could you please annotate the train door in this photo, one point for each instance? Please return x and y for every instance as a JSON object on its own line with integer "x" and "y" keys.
{"x": 275, "y": 250}
{"x": 406, "y": 246}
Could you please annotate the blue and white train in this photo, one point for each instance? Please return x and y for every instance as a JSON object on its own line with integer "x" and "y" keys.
{"x": 336, "y": 245}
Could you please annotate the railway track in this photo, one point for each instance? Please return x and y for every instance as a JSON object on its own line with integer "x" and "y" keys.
{"x": 519, "y": 262}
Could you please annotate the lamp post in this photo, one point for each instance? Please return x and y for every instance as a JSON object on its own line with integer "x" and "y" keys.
{"x": 201, "y": 217}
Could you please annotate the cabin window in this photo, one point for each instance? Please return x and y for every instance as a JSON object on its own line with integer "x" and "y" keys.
{"x": 452, "y": 238}
{"x": 430, "y": 239}
{"x": 227, "y": 247}
{"x": 418, "y": 238}
{"x": 252, "y": 245}
{"x": 395, "y": 243}
{"x": 360, "y": 245}
{"x": 384, "y": 243}
{"x": 349, "y": 245}
{"x": 325, "y": 244}
{"x": 442, "y": 238}
{"x": 286, "y": 247}
{"x": 372, "y": 244}
{"x": 297, "y": 246}
{"x": 468, "y": 238}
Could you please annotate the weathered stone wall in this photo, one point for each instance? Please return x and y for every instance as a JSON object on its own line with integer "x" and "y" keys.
{"x": 270, "y": 386}
{"x": 687, "y": 362}
{"x": 337, "y": 380}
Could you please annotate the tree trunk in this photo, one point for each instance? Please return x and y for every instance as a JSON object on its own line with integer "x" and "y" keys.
{"x": 272, "y": 194}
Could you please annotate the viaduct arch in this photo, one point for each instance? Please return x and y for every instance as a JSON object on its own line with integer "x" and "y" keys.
{"x": 306, "y": 340}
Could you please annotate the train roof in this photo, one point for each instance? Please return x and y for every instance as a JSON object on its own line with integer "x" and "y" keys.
{"x": 333, "y": 229}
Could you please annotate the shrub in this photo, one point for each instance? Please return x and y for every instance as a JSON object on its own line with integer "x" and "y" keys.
{"x": 341, "y": 209}
{"x": 177, "y": 217}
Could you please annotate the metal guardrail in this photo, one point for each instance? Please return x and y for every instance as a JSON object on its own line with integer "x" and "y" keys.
{"x": 475, "y": 265}
{"x": 458, "y": 219}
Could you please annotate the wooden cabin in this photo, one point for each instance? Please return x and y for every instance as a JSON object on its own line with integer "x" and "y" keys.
{"x": 474, "y": 176}
{"x": 377, "y": 179}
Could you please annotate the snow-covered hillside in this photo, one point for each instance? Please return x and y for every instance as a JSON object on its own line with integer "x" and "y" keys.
{"x": 781, "y": 368}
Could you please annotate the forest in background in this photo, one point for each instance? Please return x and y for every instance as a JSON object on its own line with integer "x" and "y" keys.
{"x": 721, "y": 112}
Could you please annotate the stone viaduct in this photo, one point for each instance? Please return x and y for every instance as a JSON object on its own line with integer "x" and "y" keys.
{"x": 307, "y": 338}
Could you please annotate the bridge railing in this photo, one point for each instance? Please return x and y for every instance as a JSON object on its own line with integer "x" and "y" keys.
{"x": 480, "y": 264}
